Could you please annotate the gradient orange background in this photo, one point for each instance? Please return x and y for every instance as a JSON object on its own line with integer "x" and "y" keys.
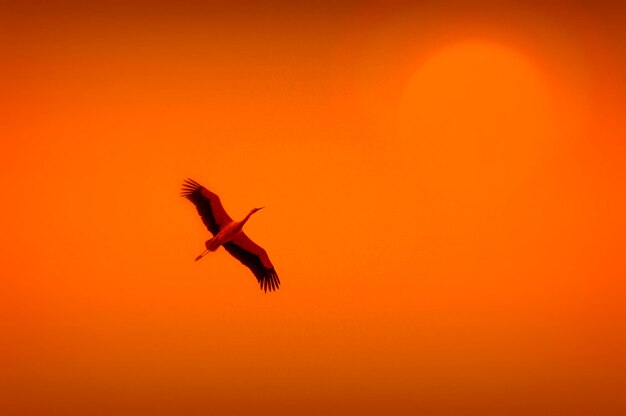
{"x": 445, "y": 208}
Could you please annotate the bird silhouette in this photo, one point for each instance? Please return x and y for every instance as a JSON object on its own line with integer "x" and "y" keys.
{"x": 230, "y": 235}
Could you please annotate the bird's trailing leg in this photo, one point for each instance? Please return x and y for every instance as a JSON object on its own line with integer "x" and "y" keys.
{"x": 202, "y": 254}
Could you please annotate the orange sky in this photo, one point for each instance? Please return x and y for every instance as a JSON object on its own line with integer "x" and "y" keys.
{"x": 445, "y": 208}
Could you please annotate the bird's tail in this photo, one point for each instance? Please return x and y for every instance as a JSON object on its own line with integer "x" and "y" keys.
{"x": 212, "y": 244}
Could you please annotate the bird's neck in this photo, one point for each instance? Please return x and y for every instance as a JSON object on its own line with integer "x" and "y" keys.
{"x": 247, "y": 217}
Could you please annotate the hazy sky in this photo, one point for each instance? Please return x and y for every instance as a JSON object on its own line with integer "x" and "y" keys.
{"x": 445, "y": 208}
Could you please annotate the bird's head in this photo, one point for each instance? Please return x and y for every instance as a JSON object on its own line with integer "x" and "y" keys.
{"x": 255, "y": 210}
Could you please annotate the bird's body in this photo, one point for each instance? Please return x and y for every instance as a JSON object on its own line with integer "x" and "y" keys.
{"x": 230, "y": 235}
{"x": 227, "y": 233}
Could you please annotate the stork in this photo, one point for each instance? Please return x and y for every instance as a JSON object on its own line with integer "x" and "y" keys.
{"x": 230, "y": 235}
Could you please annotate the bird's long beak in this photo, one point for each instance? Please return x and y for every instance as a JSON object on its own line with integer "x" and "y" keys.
{"x": 258, "y": 209}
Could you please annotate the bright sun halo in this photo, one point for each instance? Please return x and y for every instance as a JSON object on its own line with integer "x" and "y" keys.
{"x": 473, "y": 119}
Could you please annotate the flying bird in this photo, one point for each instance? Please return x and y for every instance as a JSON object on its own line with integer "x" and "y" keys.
{"x": 230, "y": 235}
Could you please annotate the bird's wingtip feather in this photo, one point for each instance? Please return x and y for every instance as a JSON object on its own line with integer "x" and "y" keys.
{"x": 270, "y": 281}
{"x": 189, "y": 187}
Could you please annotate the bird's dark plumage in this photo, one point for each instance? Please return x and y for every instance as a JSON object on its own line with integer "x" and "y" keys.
{"x": 208, "y": 205}
{"x": 254, "y": 258}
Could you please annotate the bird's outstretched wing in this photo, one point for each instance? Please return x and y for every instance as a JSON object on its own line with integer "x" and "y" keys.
{"x": 208, "y": 205}
{"x": 256, "y": 259}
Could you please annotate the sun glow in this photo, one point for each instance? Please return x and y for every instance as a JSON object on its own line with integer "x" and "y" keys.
{"x": 474, "y": 129}
{"x": 474, "y": 118}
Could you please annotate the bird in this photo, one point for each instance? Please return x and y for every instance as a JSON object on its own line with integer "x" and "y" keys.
{"x": 230, "y": 235}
